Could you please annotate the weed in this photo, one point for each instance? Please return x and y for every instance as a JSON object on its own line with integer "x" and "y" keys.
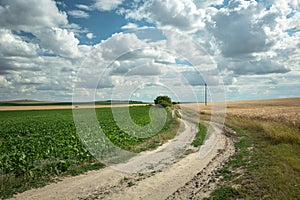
{"x": 130, "y": 184}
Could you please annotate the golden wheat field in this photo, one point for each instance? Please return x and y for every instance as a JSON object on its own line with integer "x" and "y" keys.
{"x": 286, "y": 111}
{"x": 276, "y": 110}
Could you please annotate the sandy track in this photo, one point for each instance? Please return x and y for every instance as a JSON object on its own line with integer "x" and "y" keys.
{"x": 178, "y": 180}
{"x": 188, "y": 178}
{"x": 164, "y": 155}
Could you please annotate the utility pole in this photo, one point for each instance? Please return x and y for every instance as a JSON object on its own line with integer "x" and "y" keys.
{"x": 205, "y": 94}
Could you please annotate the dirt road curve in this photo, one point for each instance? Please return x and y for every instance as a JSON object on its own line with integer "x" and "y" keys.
{"x": 186, "y": 177}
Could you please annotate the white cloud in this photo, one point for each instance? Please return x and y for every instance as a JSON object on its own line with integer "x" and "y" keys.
{"x": 248, "y": 38}
{"x": 237, "y": 29}
{"x": 25, "y": 15}
{"x": 106, "y": 5}
{"x": 129, "y": 26}
{"x": 140, "y": 63}
{"x": 253, "y": 46}
{"x": 182, "y": 15}
{"x": 252, "y": 40}
{"x": 30, "y": 31}
{"x": 78, "y": 14}
{"x": 84, "y": 7}
{"x": 253, "y": 67}
{"x": 101, "y": 5}
{"x": 148, "y": 69}
{"x": 90, "y": 35}
{"x": 12, "y": 45}
{"x": 38, "y": 78}
{"x": 207, "y": 3}
{"x": 44, "y": 21}
{"x": 119, "y": 44}
{"x": 59, "y": 41}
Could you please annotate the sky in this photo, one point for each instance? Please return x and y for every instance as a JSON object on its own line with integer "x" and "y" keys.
{"x": 84, "y": 50}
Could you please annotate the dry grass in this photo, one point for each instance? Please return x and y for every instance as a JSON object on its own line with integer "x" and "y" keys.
{"x": 273, "y": 131}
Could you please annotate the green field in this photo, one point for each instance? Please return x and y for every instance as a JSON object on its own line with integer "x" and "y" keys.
{"x": 36, "y": 146}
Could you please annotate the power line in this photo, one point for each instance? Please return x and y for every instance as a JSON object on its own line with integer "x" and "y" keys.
{"x": 205, "y": 100}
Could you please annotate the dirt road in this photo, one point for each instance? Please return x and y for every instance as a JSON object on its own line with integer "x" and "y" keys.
{"x": 173, "y": 177}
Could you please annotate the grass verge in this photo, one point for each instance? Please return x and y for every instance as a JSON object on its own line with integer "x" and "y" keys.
{"x": 200, "y": 136}
{"x": 266, "y": 165}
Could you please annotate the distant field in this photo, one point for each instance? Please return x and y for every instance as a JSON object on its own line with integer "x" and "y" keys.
{"x": 43, "y": 105}
{"x": 52, "y": 103}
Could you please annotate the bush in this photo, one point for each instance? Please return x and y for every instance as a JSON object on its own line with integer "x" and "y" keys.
{"x": 164, "y": 101}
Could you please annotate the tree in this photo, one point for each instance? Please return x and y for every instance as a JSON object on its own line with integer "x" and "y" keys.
{"x": 164, "y": 101}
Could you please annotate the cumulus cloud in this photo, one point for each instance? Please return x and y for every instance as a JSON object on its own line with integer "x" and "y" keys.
{"x": 241, "y": 30}
{"x": 119, "y": 44}
{"x": 19, "y": 14}
{"x": 37, "y": 42}
{"x": 78, "y": 14}
{"x": 13, "y": 45}
{"x": 43, "y": 20}
{"x": 253, "y": 67}
{"x": 237, "y": 30}
{"x": 208, "y": 3}
{"x": 106, "y": 5}
{"x": 58, "y": 41}
{"x": 182, "y": 15}
{"x": 101, "y": 5}
{"x": 129, "y": 26}
{"x": 84, "y": 7}
{"x": 149, "y": 69}
{"x": 250, "y": 41}
{"x": 253, "y": 39}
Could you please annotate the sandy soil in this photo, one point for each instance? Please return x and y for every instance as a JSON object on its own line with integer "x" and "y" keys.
{"x": 186, "y": 179}
{"x": 164, "y": 155}
{"x": 176, "y": 177}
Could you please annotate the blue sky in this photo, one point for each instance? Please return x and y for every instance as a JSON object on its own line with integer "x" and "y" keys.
{"x": 105, "y": 49}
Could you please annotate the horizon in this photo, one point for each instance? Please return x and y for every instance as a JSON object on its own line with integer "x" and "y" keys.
{"x": 45, "y": 101}
{"x": 64, "y": 51}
